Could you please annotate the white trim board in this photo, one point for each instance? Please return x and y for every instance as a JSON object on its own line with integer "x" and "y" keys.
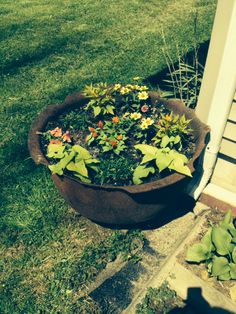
{"x": 221, "y": 194}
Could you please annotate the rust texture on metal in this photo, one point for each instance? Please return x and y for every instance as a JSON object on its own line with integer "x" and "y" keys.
{"x": 119, "y": 204}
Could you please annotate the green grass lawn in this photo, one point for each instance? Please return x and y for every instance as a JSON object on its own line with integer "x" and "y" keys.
{"x": 49, "y": 49}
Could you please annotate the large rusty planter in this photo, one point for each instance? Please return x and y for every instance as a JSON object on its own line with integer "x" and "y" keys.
{"x": 118, "y": 204}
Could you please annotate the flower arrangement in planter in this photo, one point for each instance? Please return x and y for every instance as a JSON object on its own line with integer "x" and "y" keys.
{"x": 118, "y": 138}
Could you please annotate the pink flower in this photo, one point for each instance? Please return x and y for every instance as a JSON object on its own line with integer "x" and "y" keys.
{"x": 144, "y": 108}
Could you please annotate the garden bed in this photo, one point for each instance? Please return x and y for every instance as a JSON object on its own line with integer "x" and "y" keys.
{"x": 191, "y": 281}
{"x": 224, "y": 287}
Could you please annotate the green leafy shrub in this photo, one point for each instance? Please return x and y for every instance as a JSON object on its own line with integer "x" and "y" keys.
{"x": 101, "y": 98}
{"x": 217, "y": 249}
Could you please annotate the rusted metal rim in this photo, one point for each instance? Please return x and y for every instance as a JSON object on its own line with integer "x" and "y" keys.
{"x": 76, "y": 100}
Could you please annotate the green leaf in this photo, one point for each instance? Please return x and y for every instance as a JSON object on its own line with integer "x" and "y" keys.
{"x": 206, "y": 240}
{"x": 83, "y": 153}
{"x": 141, "y": 172}
{"x": 234, "y": 254}
{"x": 92, "y": 161}
{"x": 176, "y": 155}
{"x": 146, "y": 149}
{"x": 165, "y": 141}
{"x": 83, "y": 179}
{"x": 110, "y": 109}
{"x": 163, "y": 160}
{"x": 78, "y": 167}
{"x": 226, "y": 276}
{"x": 232, "y": 231}
{"x": 96, "y": 111}
{"x": 220, "y": 266}
{"x": 227, "y": 222}
{"x": 221, "y": 239}
{"x": 66, "y": 159}
{"x": 178, "y": 165}
{"x": 55, "y": 151}
{"x": 147, "y": 158}
{"x": 177, "y": 139}
{"x": 232, "y": 270}
{"x": 56, "y": 169}
{"x": 197, "y": 253}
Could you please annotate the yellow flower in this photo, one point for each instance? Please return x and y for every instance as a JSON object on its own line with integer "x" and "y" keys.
{"x": 117, "y": 86}
{"x": 143, "y": 88}
{"x": 149, "y": 121}
{"x": 168, "y": 117}
{"x": 137, "y": 87}
{"x": 143, "y": 95}
{"x": 135, "y": 115}
{"x": 130, "y": 86}
{"x": 143, "y": 125}
{"x": 137, "y": 78}
{"x": 146, "y": 123}
{"x": 126, "y": 114}
{"x": 124, "y": 90}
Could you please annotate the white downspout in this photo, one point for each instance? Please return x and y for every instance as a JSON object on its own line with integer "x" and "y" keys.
{"x": 217, "y": 90}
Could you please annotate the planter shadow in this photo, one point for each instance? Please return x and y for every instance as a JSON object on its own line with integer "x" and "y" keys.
{"x": 120, "y": 205}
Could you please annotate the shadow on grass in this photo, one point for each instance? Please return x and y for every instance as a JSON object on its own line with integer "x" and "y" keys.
{"x": 115, "y": 294}
{"x": 36, "y": 56}
{"x": 43, "y": 49}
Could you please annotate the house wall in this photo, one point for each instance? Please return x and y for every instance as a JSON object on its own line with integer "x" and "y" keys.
{"x": 224, "y": 174}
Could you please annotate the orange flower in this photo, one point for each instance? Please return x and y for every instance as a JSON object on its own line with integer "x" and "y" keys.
{"x": 92, "y": 130}
{"x": 168, "y": 117}
{"x": 100, "y": 124}
{"x": 57, "y": 132}
{"x": 55, "y": 142}
{"x": 66, "y": 137}
{"x": 115, "y": 119}
{"x": 113, "y": 143}
{"x": 94, "y": 134}
{"x": 119, "y": 137}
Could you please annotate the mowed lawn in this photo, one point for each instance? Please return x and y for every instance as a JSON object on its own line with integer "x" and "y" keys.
{"x": 50, "y": 48}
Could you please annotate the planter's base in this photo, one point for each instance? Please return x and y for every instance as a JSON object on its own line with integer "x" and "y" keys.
{"x": 179, "y": 209}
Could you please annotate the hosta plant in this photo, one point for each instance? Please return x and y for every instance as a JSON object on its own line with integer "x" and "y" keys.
{"x": 119, "y": 137}
{"x": 217, "y": 249}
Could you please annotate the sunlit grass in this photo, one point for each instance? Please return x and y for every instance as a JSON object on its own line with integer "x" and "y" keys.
{"x": 49, "y": 49}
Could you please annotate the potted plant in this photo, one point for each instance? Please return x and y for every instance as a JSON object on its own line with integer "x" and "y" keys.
{"x": 119, "y": 154}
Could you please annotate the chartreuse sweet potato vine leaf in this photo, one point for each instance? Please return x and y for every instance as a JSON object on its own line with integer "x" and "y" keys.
{"x": 74, "y": 159}
{"x": 164, "y": 158}
{"x": 217, "y": 249}
{"x": 141, "y": 172}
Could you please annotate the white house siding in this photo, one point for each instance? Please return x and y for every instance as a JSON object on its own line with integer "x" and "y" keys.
{"x": 225, "y": 171}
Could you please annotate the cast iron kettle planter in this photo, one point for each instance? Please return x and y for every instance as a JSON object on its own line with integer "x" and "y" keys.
{"x": 119, "y": 205}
